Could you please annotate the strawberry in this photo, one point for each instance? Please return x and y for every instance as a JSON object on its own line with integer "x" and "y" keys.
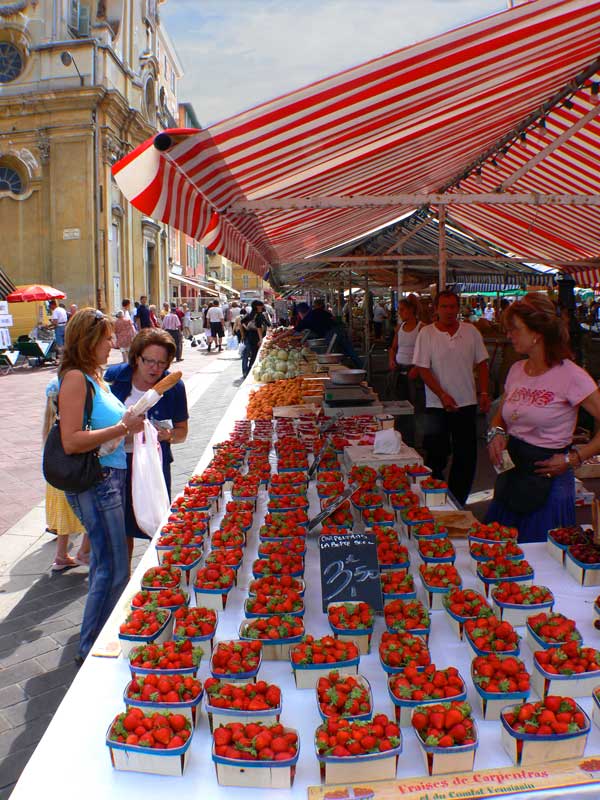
{"x": 447, "y": 724}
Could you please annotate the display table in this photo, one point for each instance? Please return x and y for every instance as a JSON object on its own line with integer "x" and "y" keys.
{"x": 72, "y": 759}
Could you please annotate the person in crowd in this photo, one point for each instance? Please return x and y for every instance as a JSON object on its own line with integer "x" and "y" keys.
{"x": 186, "y": 322}
{"x": 535, "y": 422}
{"x": 406, "y": 382}
{"x": 489, "y": 312}
{"x": 155, "y": 320}
{"x": 380, "y": 314}
{"x": 254, "y": 326}
{"x": 150, "y": 355}
{"x": 58, "y": 321}
{"x": 60, "y": 519}
{"x": 165, "y": 309}
{"x": 142, "y": 317}
{"x": 238, "y": 330}
{"x": 72, "y": 310}
{"x": 180, "y": 313}
{"x": 172, "y": 324}
{"x": 445, "y": 353}
{"x": 126, "y": 309}
{"x": 322, "y": 324}
{"x": 124, "y": 333}
{"x": 101, "y": 509}
{"x": 214, "y": 317}
{"x": 234, "y": 314}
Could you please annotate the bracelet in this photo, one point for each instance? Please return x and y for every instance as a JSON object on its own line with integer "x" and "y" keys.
{"x": 125, "y": 426}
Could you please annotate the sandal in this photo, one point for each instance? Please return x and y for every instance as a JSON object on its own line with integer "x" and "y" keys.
{"x": 63, "y": 563}
{"x": 82, "y": 559}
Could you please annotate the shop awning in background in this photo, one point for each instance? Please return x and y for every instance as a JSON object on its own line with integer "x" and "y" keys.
{"x": 467, "y": 112}
{"x": 200, "y": 287}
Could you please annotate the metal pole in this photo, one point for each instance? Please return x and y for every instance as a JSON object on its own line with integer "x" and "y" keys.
{"x": 367, "y": 322}
{"x": 443, "y": 253}
{"x": 350, "y": 303}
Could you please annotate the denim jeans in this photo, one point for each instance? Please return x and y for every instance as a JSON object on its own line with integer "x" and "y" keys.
{"x": 249, "y": 356}
{"x": 101, "y": 510}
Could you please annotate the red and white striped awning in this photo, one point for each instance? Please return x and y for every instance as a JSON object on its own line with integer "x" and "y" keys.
{"x": 407, "y": 123}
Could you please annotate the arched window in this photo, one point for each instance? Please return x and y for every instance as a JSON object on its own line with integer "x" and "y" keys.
{"x": 11, "y": 62}
{"x": 10, "y": 180}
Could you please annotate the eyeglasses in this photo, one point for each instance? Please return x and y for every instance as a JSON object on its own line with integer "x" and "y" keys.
{"x": 152, "y": 362}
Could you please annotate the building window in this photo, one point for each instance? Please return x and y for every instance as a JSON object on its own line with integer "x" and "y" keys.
{"x": 10, "y": 180}
{"x": 245, "y": 281}
{"x": 173, "y": 81}
{"x": 11, "y": 62}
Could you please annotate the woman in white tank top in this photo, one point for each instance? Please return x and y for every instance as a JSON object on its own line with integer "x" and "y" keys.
{"x": 407, "y": 385}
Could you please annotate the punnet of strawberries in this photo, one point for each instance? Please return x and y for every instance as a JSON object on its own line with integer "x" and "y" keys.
{"x": 428, "y": 684}
{"x": 553, "y": 715}
{"x": 440, "y": 576}
{"x": 500, "y": 674}
{"x": 255, "y": 742}
{"x": 235, "y": 657}
{"x": 287, "y": 546}
{"x": 343, "y": 695}
{"x": 192, "y": 622}
{"x": 281, "y": 532}
{"x": 364, "y": 476}
{"x": 181, "y": 654}
{"x": 230, "y": 538}
{"x": 233, "y": 506}
{"x": 504, "y": 569}
{"x": 414, "y": 514}
{"x": 215, "y": 577}
{"x": 466, "y": 604}
{"x": 493, "y": 532}
{"x": 568, "y": 659}
{"x": 491, "y": 551}
{"x": 404, "y": 500}
{"x": 398, "y": 581}
{"x": 327, "y": 650}
{"x": 330, "y": 476}
{"x": 390, "y": 551}
{"x": 226, "y": 556}
{"x": 363, "y": 498}
{"x": 278, "y": 565}
{"x": 417, "y": 469}
{"x": 287, "y": 489}
{"x": 259, "y": 696}
{"x": 233, "y": 520}
{"x": 377, "y": 516}
{"x": 164, "y": 598}
{"x": 553, "y": 628}
{"x": 429, "y": 530}
{"x": 144, "y": 622}
{"x": 586, "y": 553}
{"x": 436, "y": 548}
{"x": 522, "y": 595}
{"x": 180, "y": 539}
{"x": 285, "y": 519}
{"x": 268, "y": 604}
{"x": 392, "y": 471}
{"x": 288, "y": 479}
{"x": 351, "y": 616}
{"x": 182, "y": 556}
{"x": 272, "y": 628}
{"x": 448, "y": 724}
{"x": 165, "y": 577}
{"x": 152, "y": 731}
{"x": 288, "y": 501}
{"x": 490, "y": 635}
{"x": 163, "y": 688}
{"x": 402, "y": 650}
{"x": 574, "y": 534}
{"x": 396, "y": 483}
{"x": 192, "y": 499}
{"x": 406, "y": 616}
{"x": 275, "y": 585}
{"x": 433, "y": 485}
{"x": 343, "y": 738}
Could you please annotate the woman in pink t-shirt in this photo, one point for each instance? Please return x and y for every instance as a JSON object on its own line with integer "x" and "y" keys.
{"x": 535, "y": 423}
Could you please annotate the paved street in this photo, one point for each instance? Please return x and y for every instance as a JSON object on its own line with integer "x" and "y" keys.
{"x": 40, "y": 609}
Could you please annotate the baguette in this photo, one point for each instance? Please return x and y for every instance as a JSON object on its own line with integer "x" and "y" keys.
{"x": 167, "y": 383}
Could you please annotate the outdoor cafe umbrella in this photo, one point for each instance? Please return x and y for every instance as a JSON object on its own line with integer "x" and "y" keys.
{"x": 34, "y": 292}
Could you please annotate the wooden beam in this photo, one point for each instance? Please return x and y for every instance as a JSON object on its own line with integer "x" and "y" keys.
{"x": 433, "y": 257}
{"x": 410, "y": 200}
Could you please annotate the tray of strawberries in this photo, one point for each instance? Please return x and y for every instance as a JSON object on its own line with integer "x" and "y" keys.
{"x": 438, "y": 580}
{"x": 398, "y": 651}
{"x": 177, "y": 694}
{"x": 413, "y": 516}
{"x": 237, "y": 520}
{"x": 178, "y": 536}
{"x": 490, "y": 551}
{"x": 228, "y": 539}
{"x": 490, "y": 573}
{"x": 197, "y": 624}
{"x": 261, "y": 604}
{"x": 550, "y": 629}
{"x": 463, "y": 604}
{"x": 515, "y": 602}
{"x": 569, "y": 669}
{"x": 429, "y": 530}
{"x": 144, "y": 625}
{"x": 582, "y": 562}
{"x": 397, "y": 584}
{"x": 269, "y": 533}
{"x": 358, "y": 750}
{"x": 278, "y": 565}
{"x": 354, "y": 621}
{"x": 268, "y": 761}
{"x": 330, "y": 489}
{"x": 236, "y": 660}
{"x": 287, "y": 519}
{"x": 417, "y": 472}
{"x": 560, "y": 539}
{"x": 165, "y": 577}
{"x": 407, "y": 616}
{"x": 289, "y": 545}
{"x": 330, "y": 476}
{"x": 437, "y": 551}
{"x": 447, "y": 736}
{"x": 235, "y": 506}
{"x": 402, "y": 500}
{"x": 313, "y": 658}
{"x": 366, "y": 498}
{"x": 391, "y": 554}
{"x": 278, "y": 585}
{"x": 378, "y": 516}
{"x": 435, "y": 492}
{"x": 170, "y": 599}
{"x": 277, "y": 632}
{"x": 170, "y": 658}
{"x": 287, "y": 503}
{"x": 212, "y": 585}
{"x": 342, "y": 695}
{"x": 490, "y": 635}
{"x": 363, "y": 475}
{"x": 249, "y": 702}
{"x": 226, "y": 557}
{"x": 187, "y": 559}
{"x": 412, "y": 687}
{"x": 499, "y": 679}
{"x": 492, "y": 532}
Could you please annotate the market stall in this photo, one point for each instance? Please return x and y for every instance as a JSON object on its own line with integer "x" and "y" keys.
{"x": 74, "y": 743}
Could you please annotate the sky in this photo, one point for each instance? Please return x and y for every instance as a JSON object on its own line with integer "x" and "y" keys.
{"x": 237, "y": 54}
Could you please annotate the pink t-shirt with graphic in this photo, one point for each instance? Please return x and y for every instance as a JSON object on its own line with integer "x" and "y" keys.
{"x": 542, "y": 410}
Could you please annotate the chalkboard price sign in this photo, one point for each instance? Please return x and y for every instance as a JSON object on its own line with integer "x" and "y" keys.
{"x": 350, "y": 569}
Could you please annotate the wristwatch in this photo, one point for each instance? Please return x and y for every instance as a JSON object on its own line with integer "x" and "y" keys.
{"x": 493, "y": 432}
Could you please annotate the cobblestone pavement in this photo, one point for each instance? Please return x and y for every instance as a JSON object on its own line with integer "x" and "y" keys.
{"x": 40, "y": 610}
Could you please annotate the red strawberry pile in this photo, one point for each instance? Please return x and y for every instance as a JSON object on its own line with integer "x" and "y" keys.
{"x": 493, "y": 532}
{"x": 364, "y": 476}
{"x": 255, "y": 742}
{"x": 404, "y": 500}
{"x": 571, "y": 535}
{"x": 553, "y": 628}
{"x": 500, "y": 674}
{"x": 285, "y": 519}
{"x": 330, "y": 476}
{"x": 215, "y": 576}
{"x": 416, "y": 514}
{"x": 377, "y": 516}
{"x": 281, "y": 532}
{"x": 235, "y": 657}
{"x": 363, "y": 498}
{"x": 275, "y": 585}
{"x": 266, "y": 604}
{"x": 182, "y": 556}
{"x": 225, "y": 556}
{"x": 164, "y": 688}
{"x": 192, "y": 622}
{"x": 229, "y": 538}
{"x": 179, "y": 538}
{"x": 290, "y": 545}
{"x": 522, "y": 595}
{"x": 194, "y": 498}
{"x": 568, "y": 659}
{"x": 407, "y": 616}
{"x": 402, "y": 650}
{"x": 436, "y": 548}
{"x": 491, "y": 551}
{"x": 142, "y": 622}
{"x": 466, "y": 604}
{"x": 155, "y": 731}
{"x": 490, "y": 635}
{"x": 398, "y": 581}
{"x": 327, "y": 650}
{"x": 441, "y": 576}
{"x": 415, "y": 470}
{"x": 278, "y": 565}
{"x": 245, "y": 486}
{"x": 234, "y": 520}
{"x": 391, "y": 552}
{"x": 210, "y": 477}
{"x": 288, "y": 501}
{"x": 292, "y": 461}
{"x": 553, "y": 715}
{"x": 341, "y": 738}
{"x": 164, "y": 598}
{"x": 233, "y": 506}
{"x": 428, "y": 530}
{"x": 445, "y": 724}
{"x": 270, "y": 629}
{"x": 433, "y": 484}
{"x": 161, "y": 578}
{"x": 171, "y": 655}
{"x": 428, "y": 684}
{"x": 586, "y": 553}
{"x": 343, "y": 695}
{"x": 351, "y": 616}
{"x": 288, "y": 479}
{"x": 259, "y": 696}
{"x": 286, "y": 489}
{"x": 504, "y": 569}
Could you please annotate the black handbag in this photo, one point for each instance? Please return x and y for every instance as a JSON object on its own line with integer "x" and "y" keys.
{"x": 520, "y": 489}
{"x": 73, "y": 473}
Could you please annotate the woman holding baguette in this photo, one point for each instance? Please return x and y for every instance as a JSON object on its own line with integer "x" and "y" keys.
{"x": 101, "y": 509}
{"x": 150, "y": 355}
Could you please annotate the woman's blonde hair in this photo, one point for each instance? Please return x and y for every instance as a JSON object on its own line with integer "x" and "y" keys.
{"x": 84, "y": 332}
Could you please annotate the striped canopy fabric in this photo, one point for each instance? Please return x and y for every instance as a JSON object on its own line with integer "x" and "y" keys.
{"x": 411, "y": 122}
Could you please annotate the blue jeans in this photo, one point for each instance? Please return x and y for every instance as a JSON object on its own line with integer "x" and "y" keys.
{"x": 101, "y": 510}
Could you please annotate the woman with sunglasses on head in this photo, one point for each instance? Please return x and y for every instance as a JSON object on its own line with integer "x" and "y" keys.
{"x": 101, "y": 509}
{"x": 150, "y": 355}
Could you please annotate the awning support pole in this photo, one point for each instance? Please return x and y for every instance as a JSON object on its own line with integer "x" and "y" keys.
{"x": 443, "y": 253}
{"x": 367, "y": 321}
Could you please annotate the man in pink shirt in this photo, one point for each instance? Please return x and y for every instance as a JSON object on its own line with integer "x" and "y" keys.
{"x": 172, "y": 324}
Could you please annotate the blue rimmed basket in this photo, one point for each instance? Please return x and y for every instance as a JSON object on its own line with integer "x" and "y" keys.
{"x": 492, "y": 703}
{"x": 128, "y": 641}
{"x": 359, "y": 769}
{"x": 133, "y": 758}
{"x": 403, "y": 708}
{"x": 487, "y": 583}
{"x": 273, "y": 649}
{"x": 363, "y": 716}
{"x": 188, "y": 708}
{"x": 530, "y": 748}
{"x": 259, "y": 774}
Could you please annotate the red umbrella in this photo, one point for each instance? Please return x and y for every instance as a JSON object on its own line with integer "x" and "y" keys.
{"x": 29, "y": 294}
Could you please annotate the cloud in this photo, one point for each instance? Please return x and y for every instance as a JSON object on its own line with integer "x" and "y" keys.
{"x": 240, "y": 53}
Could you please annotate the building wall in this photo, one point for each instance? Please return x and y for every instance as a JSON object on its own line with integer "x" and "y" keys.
{"x": 244, "y": 279}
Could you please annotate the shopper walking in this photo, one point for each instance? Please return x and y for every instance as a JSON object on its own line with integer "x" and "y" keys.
{"x": 58, "y": 321}
{"x": 124, "y": 333}
{"x": 535, "y": 423}
{"x": 172, "y": 324}
{"x": 142, "y": 317}
{"x": 186, "y": 323}
{"x": 406, "y": 382}
{"x": 101, "y": 509}
{"x": 254, "y": 327}
{"x": 380, "y": 314}
{"x": 214, "y": 317}
{"x": 446, "y": 353}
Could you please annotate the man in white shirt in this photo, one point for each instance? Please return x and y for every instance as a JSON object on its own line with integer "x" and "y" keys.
{"x": 214, "y": 317}
{"x": 380, "y": 314}
{"x": 446, "y": 353}
{"x": 58, "y": 320}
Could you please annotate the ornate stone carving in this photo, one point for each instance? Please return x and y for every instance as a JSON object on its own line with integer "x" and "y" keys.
{"x": 112, "y": 148}
{"x": 10, "y": 9}
{"x": 43, "y": 146}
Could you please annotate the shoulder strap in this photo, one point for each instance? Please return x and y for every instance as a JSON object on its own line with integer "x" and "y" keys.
{"x": 89, "y": 401}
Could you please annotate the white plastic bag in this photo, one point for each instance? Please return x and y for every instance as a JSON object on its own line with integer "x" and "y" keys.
{"x": 387, "y": 442}
{"x": 148, "y": 488}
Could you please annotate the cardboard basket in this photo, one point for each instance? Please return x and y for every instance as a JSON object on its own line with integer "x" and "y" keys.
{"x": 212, "y": 598}
{"x": 492, "y": 703}
{"x": 527, "y": 748}
{"x": 237, "y": 677}
{"x": 273, "y": 649}
{"x": 485, "y": 584}
{"x": 132, "y": 758}
{"x": 581, "y": 685}
{"x": 166, "y": 608}
{"x": 536, "y": 642}
{"x": 221, "y": 716}
{"x": 404, "y": 708}
{"x": 440, "y": 760}
{"x": 584, "y": 574}
{"x": 366, "y": 715}
{"x": 257, "y": 774}
{"x": 189, "y": 709}
{"x": 434, "y": 497}
{"x": 435, "y": 594}
{"x": 514, "y": 652}
{"x": 128, "y": 642}
{"x": 363, "y": 769}
{"x": 307, "y": 675}
{"x": 517, "y": 613}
